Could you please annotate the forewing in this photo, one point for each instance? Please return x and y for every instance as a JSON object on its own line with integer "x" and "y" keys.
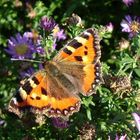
{"x": 83, "y": 49}
{"x": 80, "y": 58}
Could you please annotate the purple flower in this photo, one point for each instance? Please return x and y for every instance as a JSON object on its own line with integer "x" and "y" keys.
{"x": 121, "y": 137}
{"x": 28, "y": 35}
{"x": 131, "y": 25}
{"x": 128, "y": 2}
{"x": 40, "y": 50}
{"x": 20, "y": 47}
{"x": 37, "y": 41}
{"x": 54, "y": 45}
{"x": 41, "y": 66}
{"x": 47, "y": 23}
{"x": 2, "y": 122}
{"x": 58, "y": 33}
{"x": 28, "y": 70}
{"x": 27, "y": 73}
{"x": 34, "y": 36}
{"x": 109, "y": 27}
{"x": 59, "y": 123}
{"x": 137, "y": 120}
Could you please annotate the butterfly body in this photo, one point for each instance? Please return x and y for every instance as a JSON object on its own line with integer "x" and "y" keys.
{"x": 55, "y": 89}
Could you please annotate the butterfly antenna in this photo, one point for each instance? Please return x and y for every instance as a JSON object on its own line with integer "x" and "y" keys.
{"x": 26, "y": 60}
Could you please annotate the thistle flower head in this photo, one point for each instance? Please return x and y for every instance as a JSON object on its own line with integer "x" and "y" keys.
{"x": 128, "y": 2}
{"x": 47, "y": 23}
{"x": 87, "y": 132}
{"x": 75, "y": 20}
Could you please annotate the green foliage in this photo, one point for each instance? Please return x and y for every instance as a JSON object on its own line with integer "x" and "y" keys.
{"x": 110, "y": 109}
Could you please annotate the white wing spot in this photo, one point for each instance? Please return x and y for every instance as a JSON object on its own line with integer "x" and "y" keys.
{"x": 32, "y": 83}
{"x": 70, "y": 48}
{"x": 23, "y": 93}
{"x": 81, "y": 40}
{"x": 58, "y": 111}
{"x": 97, "y": 80}
{"x": 72, "y": 108}
{"x": 87, "y": 33}
{"x": 14, "y": 100}
{"x": 65, "y": 112}
{"x": 97, "y": 74}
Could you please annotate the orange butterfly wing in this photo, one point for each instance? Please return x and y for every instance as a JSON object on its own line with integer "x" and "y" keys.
{"x": 79, "y": 71}
{"x": 83, "y": 51}
{"x": 38, "y": 93}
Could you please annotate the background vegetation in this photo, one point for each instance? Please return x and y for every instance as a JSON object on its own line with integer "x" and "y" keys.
{"x": 106, "y": 115}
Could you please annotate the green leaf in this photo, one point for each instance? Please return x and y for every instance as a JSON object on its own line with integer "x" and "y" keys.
{"x": 89, "y": 114}
{"x": 127, "y": 59}
{"x": 137, "y": 71}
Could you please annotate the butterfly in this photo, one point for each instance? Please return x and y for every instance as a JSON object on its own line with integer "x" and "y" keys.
{"x": 55, "y": 89}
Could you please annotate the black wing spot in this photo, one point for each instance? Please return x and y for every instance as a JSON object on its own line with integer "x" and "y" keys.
{"x": 35, "y": 80}
{"x": 86, "y": 47}
{"x": 90, "y": 31}
{"x": 32, "y": 98}
{"x": 75, "y": 44}
{"x": 27, "y": 87}
{"x": 43, "y": 91}
{"x": 18, "y": 97}
{"x": 85, "y": 52}
{"x": 78, "y": 58}
{"x": 67, "y": 51}
{"x": 85, "y": 36}
{"x": 38, "y": 98}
